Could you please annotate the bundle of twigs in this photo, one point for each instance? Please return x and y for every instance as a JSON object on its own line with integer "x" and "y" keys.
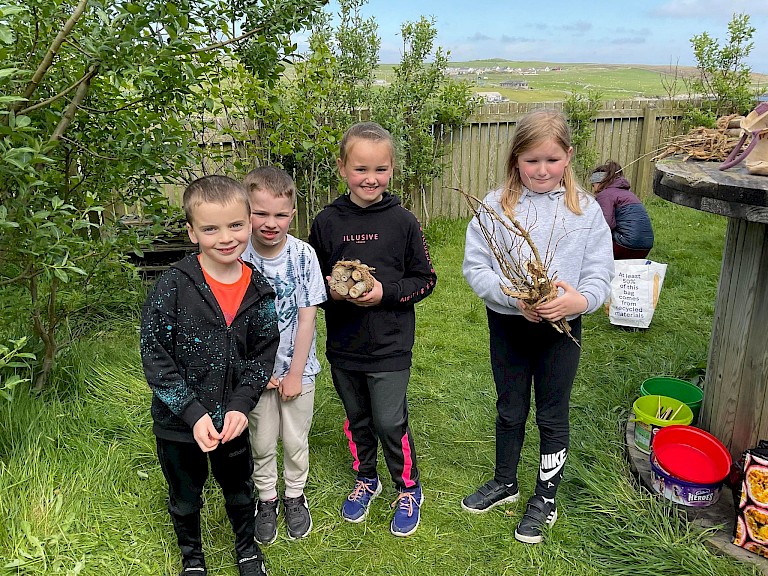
{"x": 529, "y": 278}
{"x": 709, "y": 144}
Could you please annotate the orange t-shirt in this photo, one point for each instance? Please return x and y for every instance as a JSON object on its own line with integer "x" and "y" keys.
{"x": 230, "y": 296}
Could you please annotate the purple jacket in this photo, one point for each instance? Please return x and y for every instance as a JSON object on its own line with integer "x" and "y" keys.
{"x": 626, "y": 215}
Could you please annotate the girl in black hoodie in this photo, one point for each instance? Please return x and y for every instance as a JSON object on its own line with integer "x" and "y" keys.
{"x": 370, "y": 338}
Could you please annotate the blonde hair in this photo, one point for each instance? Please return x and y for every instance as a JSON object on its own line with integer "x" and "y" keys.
{"x": 365, "y": 131}
{"x": 533, "y": 129}
{"x": 274, "y": 180}
{"x": 221, "y": 190}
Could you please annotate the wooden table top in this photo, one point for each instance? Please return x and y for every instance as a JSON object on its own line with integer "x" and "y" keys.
{"x": 701, "y": 185}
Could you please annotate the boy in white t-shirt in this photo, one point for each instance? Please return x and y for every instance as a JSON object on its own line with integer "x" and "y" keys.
{"x": 286, "y": 406}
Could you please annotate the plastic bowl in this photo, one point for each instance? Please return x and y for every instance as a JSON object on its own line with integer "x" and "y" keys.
{"x": 676, "y": 388}
{"x": 691, "y": 454}
{"x": 681, "y": 492}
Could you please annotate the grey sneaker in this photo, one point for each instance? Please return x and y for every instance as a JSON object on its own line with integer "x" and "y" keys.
{"x": 266, "y": 521}
{"x": 298, "y": 520}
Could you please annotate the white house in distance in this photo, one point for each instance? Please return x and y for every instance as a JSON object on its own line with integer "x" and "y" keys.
{"x": 491, "y": 97}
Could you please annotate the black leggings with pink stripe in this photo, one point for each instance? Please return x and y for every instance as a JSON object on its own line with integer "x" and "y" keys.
{"x": 376, "y": 405}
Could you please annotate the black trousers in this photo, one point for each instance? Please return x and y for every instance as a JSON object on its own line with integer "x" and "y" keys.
{"x": 376, "y": 405}
{"x": 524, "y": 353}
{"x": 185, "y": 468}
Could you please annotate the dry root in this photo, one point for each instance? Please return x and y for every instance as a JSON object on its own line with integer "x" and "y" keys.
{"x": 351, "y": 278}
{"x": 530, "y": 280}
{"x": 709, "y": 144}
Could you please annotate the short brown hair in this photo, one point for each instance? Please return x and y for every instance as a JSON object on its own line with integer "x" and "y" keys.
{"x": 271, "y": 179}
{"x": 216, "y": 190}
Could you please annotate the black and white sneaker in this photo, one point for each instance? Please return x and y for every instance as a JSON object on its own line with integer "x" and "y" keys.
{"x": 539, "y": 512}
{"x": 298, "y": 520}
{"x": 253, "y": 566}
{"x": 194, "y": 571}
{"x": 266, "y": 521}
{"x": 490, "y": 494}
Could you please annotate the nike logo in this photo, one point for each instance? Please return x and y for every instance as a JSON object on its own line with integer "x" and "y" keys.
{"x": 551, "y": 464}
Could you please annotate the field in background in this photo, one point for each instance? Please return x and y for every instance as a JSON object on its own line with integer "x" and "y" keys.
{"x": 613, "y": 81}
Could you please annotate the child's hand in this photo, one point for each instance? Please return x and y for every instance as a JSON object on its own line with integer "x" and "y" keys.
{"x": 234, "y": 424}
{"x": 370, "y": 298}
{"x": 290, "y": 387}
{"x": 273, "y": 383}
{"x": 569, "y": 302}
{"x": 205, "y": 434}
{"x": 528, "y": 313}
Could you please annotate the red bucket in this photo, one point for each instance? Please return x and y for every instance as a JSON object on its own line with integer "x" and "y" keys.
{"x": 691, "y": 454}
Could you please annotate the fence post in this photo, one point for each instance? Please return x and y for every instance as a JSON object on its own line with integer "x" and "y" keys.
{"x": 647, "y": 146}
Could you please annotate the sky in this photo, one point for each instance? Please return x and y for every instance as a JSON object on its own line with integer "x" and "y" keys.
{"x": 655, "y": 32}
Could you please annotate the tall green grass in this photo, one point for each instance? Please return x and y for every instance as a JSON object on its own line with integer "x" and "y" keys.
{"x": 81, "y": 491}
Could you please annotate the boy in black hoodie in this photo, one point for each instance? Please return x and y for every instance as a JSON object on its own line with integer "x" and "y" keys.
{"x": 208, "y": 342}
{"x": 370, "y": 338}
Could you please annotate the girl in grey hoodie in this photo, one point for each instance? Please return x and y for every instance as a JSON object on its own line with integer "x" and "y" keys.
{"x": 568, "y": 229}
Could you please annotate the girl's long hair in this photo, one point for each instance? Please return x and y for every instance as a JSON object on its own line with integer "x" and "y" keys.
{"x": 533, "y": 129}
{"x": 612, "y": 170}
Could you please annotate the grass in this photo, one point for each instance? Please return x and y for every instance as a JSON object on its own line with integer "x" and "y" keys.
{"x": 81, "y": 491}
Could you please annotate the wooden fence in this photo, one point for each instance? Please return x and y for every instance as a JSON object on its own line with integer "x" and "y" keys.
{"x": 630, "y": 132}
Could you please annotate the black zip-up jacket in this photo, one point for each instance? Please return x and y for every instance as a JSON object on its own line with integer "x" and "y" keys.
{"x": 388, "y": 237}
{"x": 196, "y": 364}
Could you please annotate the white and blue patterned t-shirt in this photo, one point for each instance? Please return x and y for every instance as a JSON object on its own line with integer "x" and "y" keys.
{"x": 298, "y": 282}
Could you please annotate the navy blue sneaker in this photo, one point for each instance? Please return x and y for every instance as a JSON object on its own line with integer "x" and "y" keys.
{"x": 407, "y": 511}
{"x": 355, "y": 507}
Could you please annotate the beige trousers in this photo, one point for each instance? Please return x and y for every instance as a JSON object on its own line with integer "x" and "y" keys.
{"x": 273, "y": 419}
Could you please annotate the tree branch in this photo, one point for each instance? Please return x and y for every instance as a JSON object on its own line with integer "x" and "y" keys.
{"x": 69, "y": 115}
{"x": 56, "y": 97}
{"x": 114, "y": 110}
{"x": 226, "y": 42}
{"x": 45, "y": 64}
{"x": 26, "y": 275}
{"x": 86, "y": 150}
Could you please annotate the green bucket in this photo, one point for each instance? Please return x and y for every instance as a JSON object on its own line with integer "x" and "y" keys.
{"x": 646, "y": 422}
{"x": 675, "y": 388}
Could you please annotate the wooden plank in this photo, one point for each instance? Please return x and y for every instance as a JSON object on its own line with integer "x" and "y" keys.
{"x": 749, "y": 326}
{"x": 643, "y": 180}
{"x": 722, "y": 388}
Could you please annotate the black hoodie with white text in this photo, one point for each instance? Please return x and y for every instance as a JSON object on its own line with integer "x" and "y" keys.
{"x": 389, "y": 238}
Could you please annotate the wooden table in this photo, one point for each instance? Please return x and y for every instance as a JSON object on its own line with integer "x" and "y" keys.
{"x": 735, "y": 405}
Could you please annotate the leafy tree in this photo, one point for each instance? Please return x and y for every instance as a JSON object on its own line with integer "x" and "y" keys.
{"x": 581, "y": 111}
{"x": 357, "y": 46}
{"x": 96, "y": 97}
{"x": 723, "y": 72}
{"x": 420, "y": 97}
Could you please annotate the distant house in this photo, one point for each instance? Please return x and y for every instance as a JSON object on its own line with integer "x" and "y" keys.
{"x": 491, "y": 96}
{"x": 520, "y": 84}
{"x": 762, "y": 97}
